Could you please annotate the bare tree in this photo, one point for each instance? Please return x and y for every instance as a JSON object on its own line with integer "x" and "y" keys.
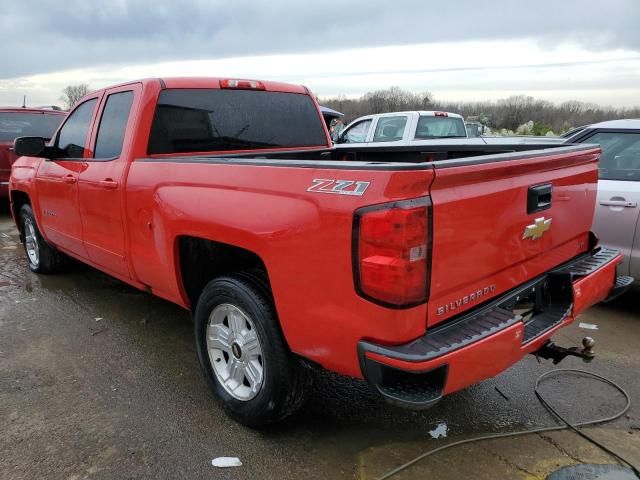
{"x": 508, "y": 113}
{"x": 72, "y": 93}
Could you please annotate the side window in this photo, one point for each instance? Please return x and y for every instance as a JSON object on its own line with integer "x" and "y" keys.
{"x": 620, "y": 159}
{"x": 112, "y": 125}
{"x": 390, "y": 129}
{"x": 357, "y": 133}
{"x": 73, "y": 134}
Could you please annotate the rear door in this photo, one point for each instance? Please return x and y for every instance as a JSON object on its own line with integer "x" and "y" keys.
{"x": 392, "y": 130}
{"x": 617, "y": 210}
{"x": 101, "y": 184}
{"x": 57, "y": 180}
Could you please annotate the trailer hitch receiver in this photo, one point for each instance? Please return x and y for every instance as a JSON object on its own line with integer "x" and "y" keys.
{"x": 551, "y": 351}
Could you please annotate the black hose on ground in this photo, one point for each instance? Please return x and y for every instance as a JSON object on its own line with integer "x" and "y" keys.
{"x": 567, "y": 424}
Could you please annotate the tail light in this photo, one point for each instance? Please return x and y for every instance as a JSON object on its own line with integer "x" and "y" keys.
{"x": 392, "y": 250}
{"x": 440, "y": 114}
{"x": 241, "y": 84}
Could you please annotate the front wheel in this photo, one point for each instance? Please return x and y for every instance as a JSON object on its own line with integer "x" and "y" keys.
{"x": 42, "y": 257}
{"x": 243, "y": 353}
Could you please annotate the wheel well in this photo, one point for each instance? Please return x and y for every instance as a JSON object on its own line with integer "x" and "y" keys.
{"x": 18, "y": 199}
{"x": 202, "y": 260}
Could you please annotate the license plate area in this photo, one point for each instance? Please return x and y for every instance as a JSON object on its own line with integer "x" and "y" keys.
{"x": 542, "y": 304}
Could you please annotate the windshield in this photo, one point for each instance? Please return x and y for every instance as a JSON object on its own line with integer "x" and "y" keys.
{"x": 24, "y": 124}
{"x": 440, "y": 127}
{"x": 201, "y": 120}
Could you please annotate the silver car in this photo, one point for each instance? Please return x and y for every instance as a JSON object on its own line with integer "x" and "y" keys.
{"x": 616, "y": 217}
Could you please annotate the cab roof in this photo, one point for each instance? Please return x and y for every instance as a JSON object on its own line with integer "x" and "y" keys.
{"x": 213, "y": 82}
{"x": 421, "y": 113}
{"x": 626, "y": 123}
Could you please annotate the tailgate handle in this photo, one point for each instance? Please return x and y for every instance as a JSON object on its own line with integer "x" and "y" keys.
{"x": 539, "y": 197}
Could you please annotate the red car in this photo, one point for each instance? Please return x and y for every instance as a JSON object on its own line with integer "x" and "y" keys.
{"x": 20, "y": 122}
{"x": 422, "y": 272}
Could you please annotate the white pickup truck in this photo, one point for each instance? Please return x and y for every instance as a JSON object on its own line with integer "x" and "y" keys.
{"x": 404, "y": 128}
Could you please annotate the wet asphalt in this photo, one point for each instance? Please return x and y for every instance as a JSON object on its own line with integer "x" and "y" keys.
{"x": 98, "y": 380}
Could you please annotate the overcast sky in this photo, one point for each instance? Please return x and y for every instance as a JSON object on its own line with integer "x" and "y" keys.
{"x": 469, "y": 50}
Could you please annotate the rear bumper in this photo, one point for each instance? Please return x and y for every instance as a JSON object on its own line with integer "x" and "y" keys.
{"x": 483, "y": 342}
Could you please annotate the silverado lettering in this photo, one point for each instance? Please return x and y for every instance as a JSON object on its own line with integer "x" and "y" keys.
{"x": 190, "y": 189}
{"x": 472, "y": 297}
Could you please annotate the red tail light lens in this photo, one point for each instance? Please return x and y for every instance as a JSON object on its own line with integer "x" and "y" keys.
{"x": 392, "y": 250}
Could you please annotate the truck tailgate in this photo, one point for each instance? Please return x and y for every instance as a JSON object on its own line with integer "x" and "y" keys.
{"x": 487, "y": 235}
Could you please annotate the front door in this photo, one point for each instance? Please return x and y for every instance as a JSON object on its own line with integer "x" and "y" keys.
{"x": 102, "y": 184}
{"x": 57, "y": 181}
{"x": 618, "y": 201}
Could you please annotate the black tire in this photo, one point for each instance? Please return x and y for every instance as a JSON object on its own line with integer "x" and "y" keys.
{"x": 49, "y": 260}
{"x": 285, "y": 380}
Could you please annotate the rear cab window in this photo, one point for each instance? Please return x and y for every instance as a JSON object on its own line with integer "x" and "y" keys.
{"x": 210, "y": 120}
{"x": 25, "y": 124}
{"x": 440, "y": 127}
{"x": 390, "y": 129}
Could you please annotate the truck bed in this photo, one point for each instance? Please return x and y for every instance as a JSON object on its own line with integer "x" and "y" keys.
{"x": 402, "y": 157}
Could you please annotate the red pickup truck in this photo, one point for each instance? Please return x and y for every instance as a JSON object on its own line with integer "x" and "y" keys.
{"x": 421, "y": 272}
{"x": 20, "y": 122}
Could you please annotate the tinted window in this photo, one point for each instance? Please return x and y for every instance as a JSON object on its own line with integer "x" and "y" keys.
{"x": 73, "y": 133}
{"x": 113, "y": 124}
{"x": 440, "y": 127}
{"x": 357, "y": 133}
{"x": 23, "y": 124}
{"x": 200, "y": 120}
{"x": 620, "y": 159}
{"x": 390, "y": 129}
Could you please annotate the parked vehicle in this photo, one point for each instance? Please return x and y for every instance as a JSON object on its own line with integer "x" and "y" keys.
{"x": 330, "y": 114}
{"x": 404, "y": 128}
{"x": 224, "y": 196}
{"x": 19, "y": 122}
{"x": 616, "y": 217}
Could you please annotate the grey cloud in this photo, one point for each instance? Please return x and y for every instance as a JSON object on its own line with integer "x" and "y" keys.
{"x": 45, "y": 36}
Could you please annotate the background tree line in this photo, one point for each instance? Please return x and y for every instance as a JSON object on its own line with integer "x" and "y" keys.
{"x": 520, "y": 113}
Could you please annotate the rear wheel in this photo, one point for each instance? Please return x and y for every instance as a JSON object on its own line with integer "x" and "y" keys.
{"x": 243, "y": 353}
{"x": 42, "y": 257}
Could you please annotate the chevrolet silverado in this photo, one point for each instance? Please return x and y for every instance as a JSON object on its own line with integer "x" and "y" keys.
{"x": 421, "y": 272}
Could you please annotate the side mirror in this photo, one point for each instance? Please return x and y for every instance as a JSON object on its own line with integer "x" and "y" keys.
{"x": 29, "y": 146}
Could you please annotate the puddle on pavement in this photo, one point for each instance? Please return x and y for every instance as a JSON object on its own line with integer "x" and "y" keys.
{"x": 593, "y": 472}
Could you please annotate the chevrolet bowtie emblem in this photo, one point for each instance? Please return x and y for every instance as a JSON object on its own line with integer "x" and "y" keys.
{"x": 537, "y": 229}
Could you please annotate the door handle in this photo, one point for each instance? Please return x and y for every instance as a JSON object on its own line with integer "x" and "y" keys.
{"x": 69, "y": 179}
{"x": 618, "y": 203}
{"x": 109, "y": 184}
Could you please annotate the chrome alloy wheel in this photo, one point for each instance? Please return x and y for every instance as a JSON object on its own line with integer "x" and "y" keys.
{"x": 235, "y": 352}
{"x": 31, "y": 243}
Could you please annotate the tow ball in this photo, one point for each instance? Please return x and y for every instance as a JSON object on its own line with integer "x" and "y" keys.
{"x": 551, "y": 351}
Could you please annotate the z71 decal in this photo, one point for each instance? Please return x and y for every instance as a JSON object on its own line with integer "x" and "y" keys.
{"x": 338, "y": 187}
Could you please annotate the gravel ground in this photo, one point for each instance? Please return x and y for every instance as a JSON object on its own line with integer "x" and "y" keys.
{"x": 98, "y": 380}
